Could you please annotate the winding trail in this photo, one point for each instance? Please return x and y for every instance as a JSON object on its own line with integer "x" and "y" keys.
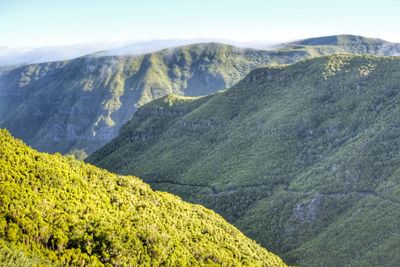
{"x": 215, "y": 191}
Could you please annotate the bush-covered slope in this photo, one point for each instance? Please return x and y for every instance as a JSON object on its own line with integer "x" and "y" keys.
{"x": 58, "y": 210}
{"x": 79, "y": 105}
{"x": 303, "y": 158}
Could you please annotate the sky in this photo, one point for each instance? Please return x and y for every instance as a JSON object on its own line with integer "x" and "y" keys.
{"x": 36, "y": 23}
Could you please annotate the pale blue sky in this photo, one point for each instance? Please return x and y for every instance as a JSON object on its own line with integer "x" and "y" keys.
{"x": 60, "y": 22}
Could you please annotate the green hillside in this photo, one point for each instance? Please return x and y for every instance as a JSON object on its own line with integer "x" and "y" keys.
{"x": 56, "y": 210}
{"x": 79, "y": 105}
{"x": 304, "y": 158}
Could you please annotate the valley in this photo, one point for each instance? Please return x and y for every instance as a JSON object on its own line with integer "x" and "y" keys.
{"x": 291, "y": 155}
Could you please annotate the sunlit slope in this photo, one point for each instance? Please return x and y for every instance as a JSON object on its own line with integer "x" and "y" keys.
{"x": 56, "y": 210}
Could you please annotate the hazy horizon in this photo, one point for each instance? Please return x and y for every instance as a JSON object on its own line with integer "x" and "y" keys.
{"x": 46, "y": 23}
{"x": 29, "y": 55}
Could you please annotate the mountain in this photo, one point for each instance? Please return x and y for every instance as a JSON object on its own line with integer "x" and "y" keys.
{"x": 340, "y": 40}
{"x": 80, "y": 104}
{"x": 57, "y": 210}
{"x": 352, "y": 44}
{"x": 76, "y": 106}
{"x": 303, "y": 158}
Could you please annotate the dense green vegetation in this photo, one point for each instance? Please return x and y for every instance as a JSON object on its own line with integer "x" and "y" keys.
{"x": 304, "y": 158}
{"x": 56, "y": 210}
{"x": 79, "y": 105}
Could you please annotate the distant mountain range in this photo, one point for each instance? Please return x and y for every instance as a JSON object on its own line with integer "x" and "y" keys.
{"x": 303, "y": 158}
{"x": 81, "y": 104}
{"x": 78, "y": 105}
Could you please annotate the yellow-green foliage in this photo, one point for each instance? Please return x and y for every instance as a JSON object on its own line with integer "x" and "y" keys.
{"x": 335, "y": 64}
{"x": 58, "y": 209}
{"x": 172, "y": 99}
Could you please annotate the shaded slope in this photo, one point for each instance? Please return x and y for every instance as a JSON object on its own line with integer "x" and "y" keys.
{"x": 61, "y": 210}
{"x": 303, "y": 158}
